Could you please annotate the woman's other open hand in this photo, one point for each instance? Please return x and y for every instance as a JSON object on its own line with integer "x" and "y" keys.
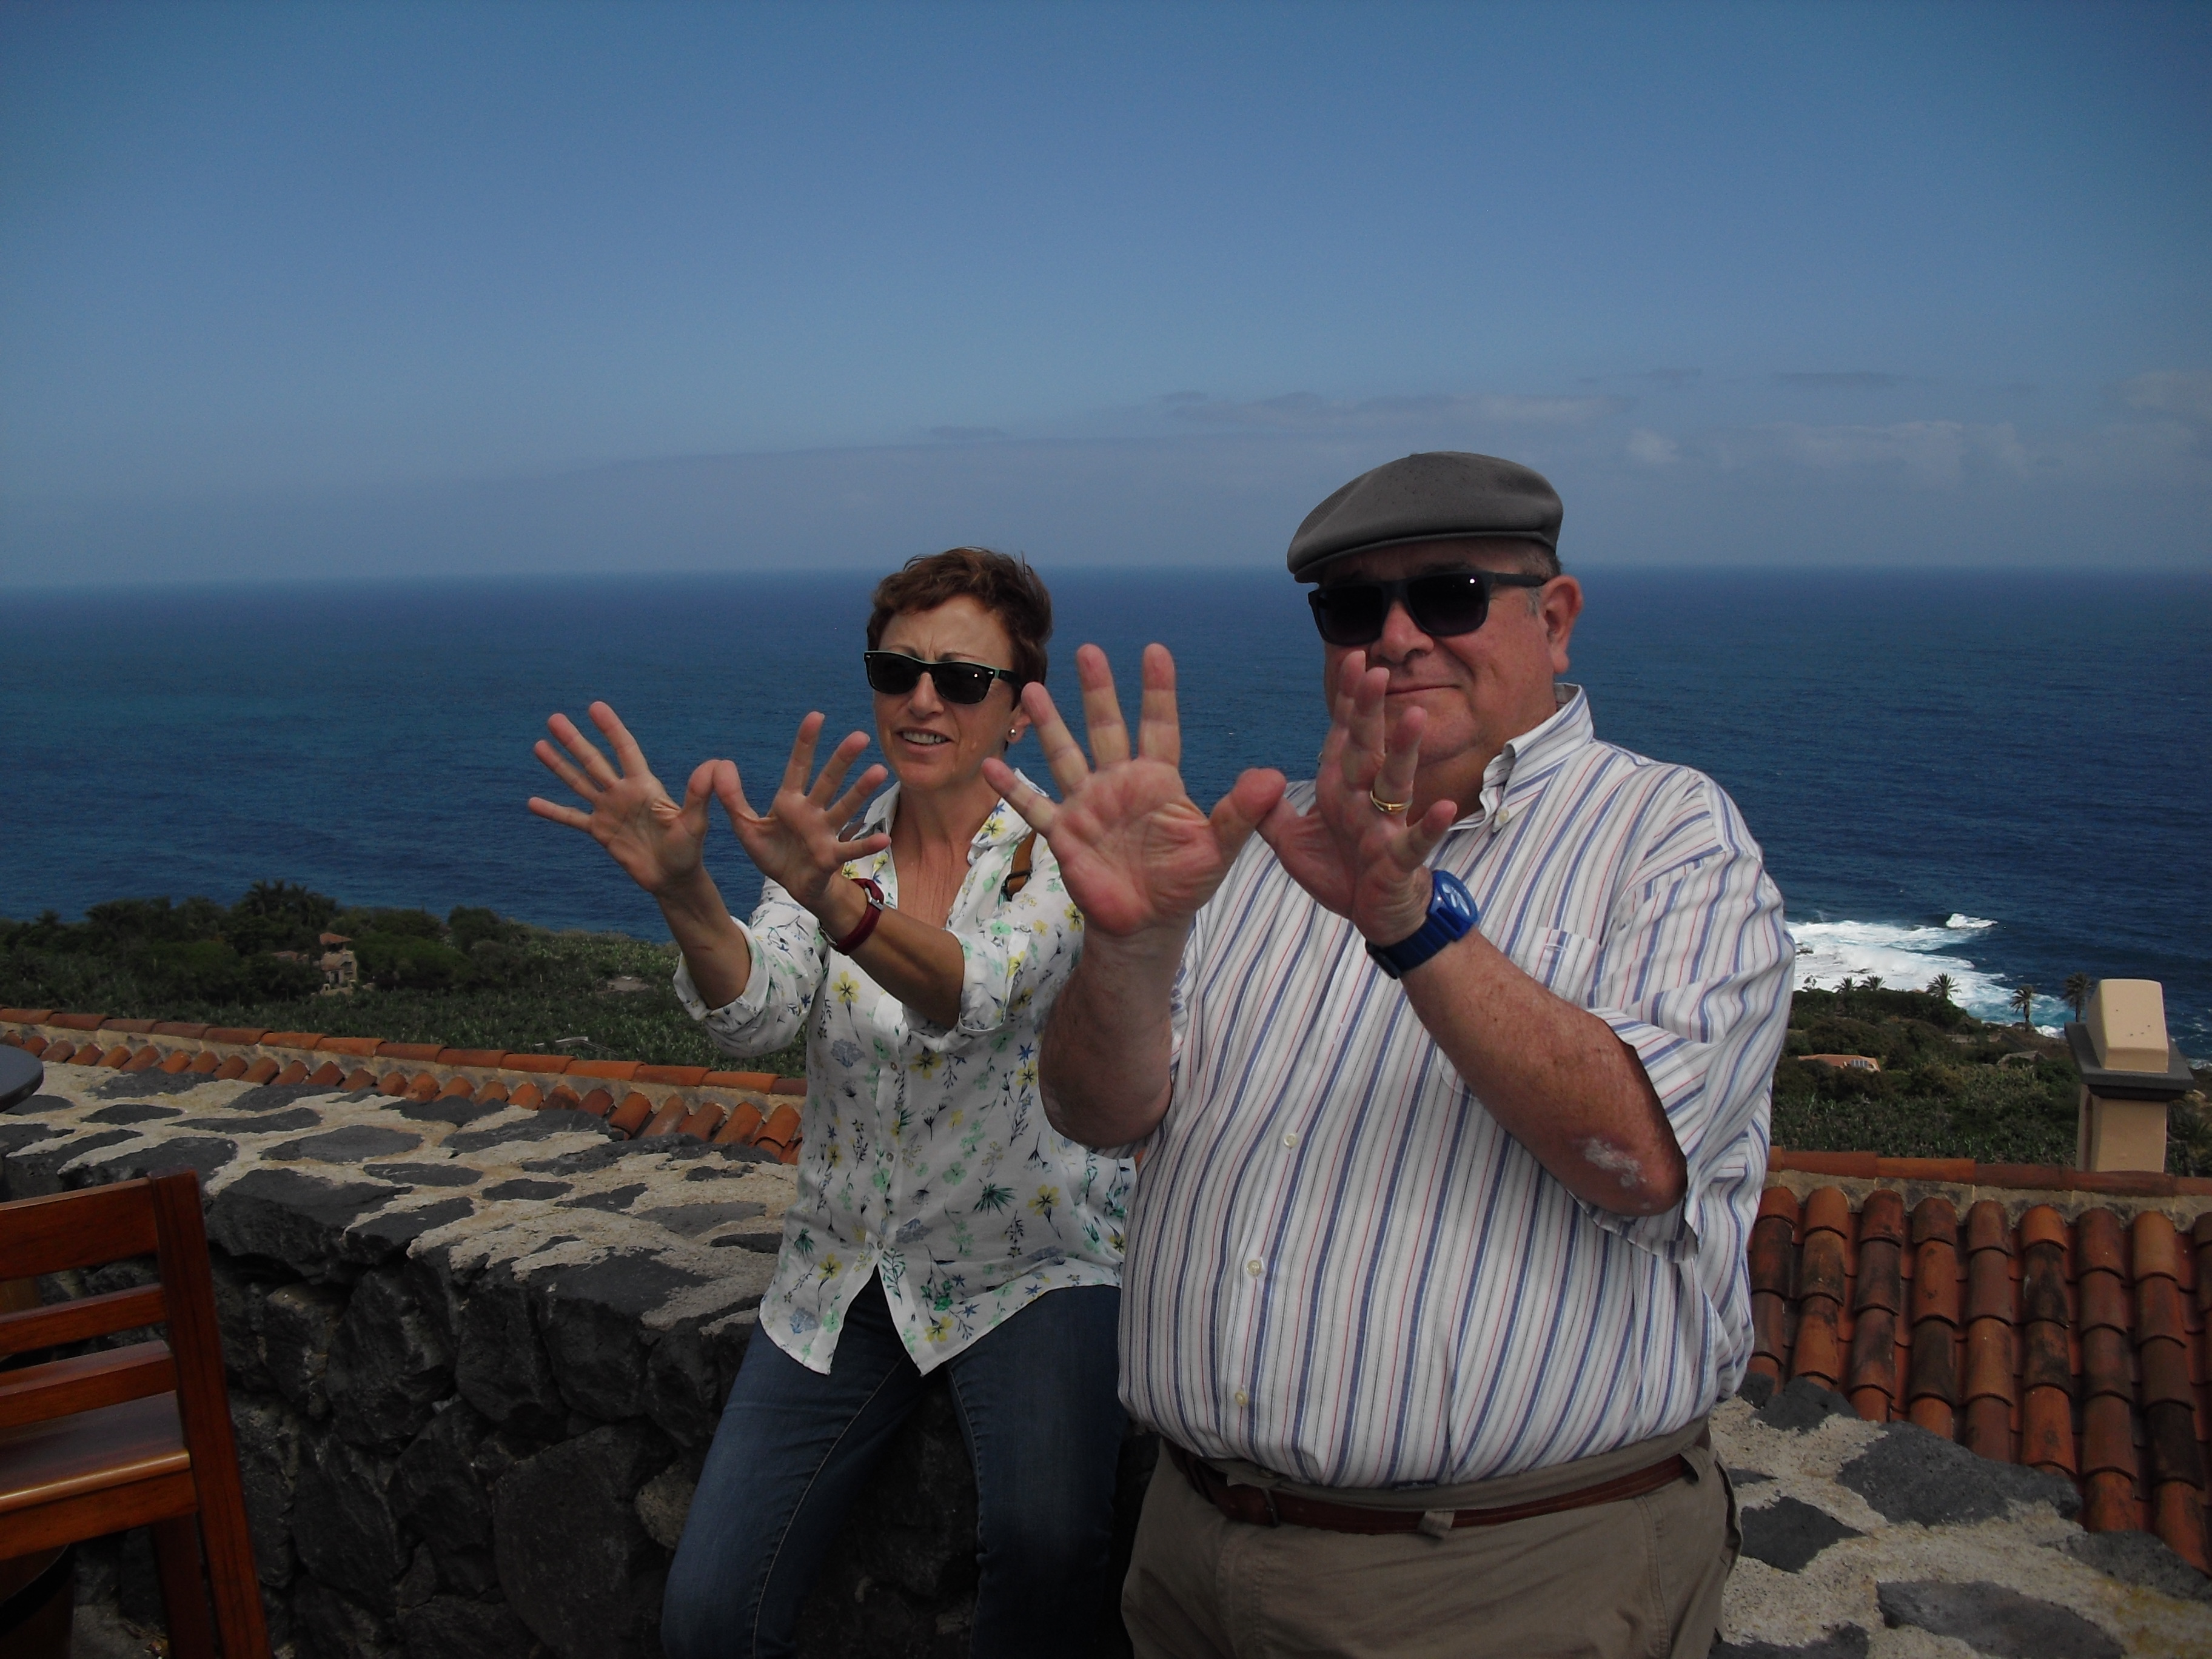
{"x": 798, "y": 843}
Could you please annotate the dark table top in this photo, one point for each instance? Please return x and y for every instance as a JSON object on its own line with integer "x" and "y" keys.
{"x": 21, "y": 1076}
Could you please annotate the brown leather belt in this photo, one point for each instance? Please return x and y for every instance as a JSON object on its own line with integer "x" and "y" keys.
{"x": 1258, "y": 1506}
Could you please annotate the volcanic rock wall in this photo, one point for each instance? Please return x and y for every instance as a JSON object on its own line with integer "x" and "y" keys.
{"x": 476, "y": 1356}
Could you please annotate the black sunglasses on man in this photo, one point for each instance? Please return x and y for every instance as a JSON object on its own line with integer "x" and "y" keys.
{"x": 1441, "y": 603}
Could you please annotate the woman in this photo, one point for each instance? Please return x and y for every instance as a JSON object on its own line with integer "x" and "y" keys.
{"x": 938, "y": 1219}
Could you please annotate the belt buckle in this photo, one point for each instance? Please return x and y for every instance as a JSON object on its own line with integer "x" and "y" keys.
{"x": 1268, "y": 1497}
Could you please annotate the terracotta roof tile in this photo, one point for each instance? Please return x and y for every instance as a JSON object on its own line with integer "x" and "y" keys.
{"x": 1778, "y": 1201}
{"x": 492, "y": 1089}
{"x": 1936, "y": 1283}
{"x": 179, "y": 1028}
{"x": 632, "y": 1115}
{"x": 614, "y": 1070}
{"x": 76, "y": 1021}
{"x": 360, "y": 1078}
{"x": 291, "y": 1039}
{"x": 759, "y": 1082}
{"x": 1990, "y": 1286}
{"x": 1881, "y": 1216}
{"x": 1994, "y": 1346}
{"x": 421, "y": 1088}
{"x": 27, "y": 1016}
{"x": 119, "y": 1056}
{"x": 134, "y": 1027}
{"x": 2157, "y": 1250}
{"x": 2158, "y": 1311}
{"x": 1821, "y": 1264}
{"x": 205, "y": 1062}
{"x": 179, "y": 1059}
{"x": 296, "y": 1071}
{"x": 417, "y": 1052}
{"x": 393, "y": 1082}
{"x": 234, "y": 1066}
{"x": 683, "y": 1076}
{"x": 561, "y": 1098}
{"x": 2046, "y": 1431}
{"x": 526, "y": 1096}
{"x": 480, "y": 1057}
{"x": 237, "y": 1034}
{"x": 599, "y": 1103}
{"x": 457, "y": 1088}
{"x": 142, "y": 1059}
{"x": 328, "y": 1075}
{"x": 781, "y": 1130}
{"x": 743, "y": 1124}
{"x": 539, "y": 1063}
{"x": 701, "y": 1124}
{"x": 260, "y": 1071}
{"x": 363, "y": 1045}
{"x": 789, "y": 1086}
{"x": 1826, "y": 1211}
{"x": 32, "y": 1044}
{"x": 665, "y": 1120}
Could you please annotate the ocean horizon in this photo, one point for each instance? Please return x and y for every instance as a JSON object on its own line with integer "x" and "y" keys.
{"x": 1997, "y": 775}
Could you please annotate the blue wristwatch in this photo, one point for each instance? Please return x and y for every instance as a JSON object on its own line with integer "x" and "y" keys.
{"x": 1452, "y": 916}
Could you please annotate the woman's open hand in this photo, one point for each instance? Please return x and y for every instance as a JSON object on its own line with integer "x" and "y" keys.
{"x": 799, "y": 842}
{"x": 655, "y": 839}
{"x": 1134, "y": 849}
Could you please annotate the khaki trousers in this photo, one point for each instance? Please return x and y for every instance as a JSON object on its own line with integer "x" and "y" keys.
{"x": 1641, "y": 1577}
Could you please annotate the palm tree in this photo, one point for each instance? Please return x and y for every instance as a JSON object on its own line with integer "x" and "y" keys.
{"x": 1873, "y": 982}
{"x": 2078, "y": 988}
{"x": 2024, "y": 999}
{"x": 1942, "y": 987}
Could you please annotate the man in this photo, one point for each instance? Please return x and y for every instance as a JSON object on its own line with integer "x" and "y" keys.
{"x": 1453, "y": 1085}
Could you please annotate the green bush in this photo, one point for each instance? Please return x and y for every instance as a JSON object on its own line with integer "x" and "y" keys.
{"x": 400, "y": 924}
{"x": 403, "y": 961}
{"x": 275, "y": 915}
{"x": 471, "y": 926}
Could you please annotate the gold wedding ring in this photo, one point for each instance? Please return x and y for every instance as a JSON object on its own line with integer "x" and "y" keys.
{"x": 1388, "y": 808}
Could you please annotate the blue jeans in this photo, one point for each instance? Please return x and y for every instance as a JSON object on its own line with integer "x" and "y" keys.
{"x": 1038, "y": 1409}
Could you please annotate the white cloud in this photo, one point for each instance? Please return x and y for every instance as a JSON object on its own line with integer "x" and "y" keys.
{"x": 2186, "y": 393}
{"x": 1941, "y": 453}
{"x": 1648, "y": 448}
{"x": 1304, "y": 411}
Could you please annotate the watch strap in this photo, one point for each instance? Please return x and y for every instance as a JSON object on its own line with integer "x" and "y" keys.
{"x": 1452, "y": 916}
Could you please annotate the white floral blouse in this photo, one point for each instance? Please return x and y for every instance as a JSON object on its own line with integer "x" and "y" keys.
{"x": 927, "y": 1159}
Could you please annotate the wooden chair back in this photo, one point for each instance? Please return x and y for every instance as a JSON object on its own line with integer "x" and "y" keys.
{"x": 138, "y": 1435}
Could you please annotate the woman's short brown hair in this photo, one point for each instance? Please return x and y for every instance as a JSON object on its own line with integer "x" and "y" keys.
{"x": 1006, "y": 587}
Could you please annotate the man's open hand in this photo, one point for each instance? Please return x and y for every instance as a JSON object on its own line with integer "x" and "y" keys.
{"x": 1136, "y": 853}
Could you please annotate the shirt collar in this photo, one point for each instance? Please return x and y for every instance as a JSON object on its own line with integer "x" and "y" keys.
{"x": 1003, "y": 825}
{"x": 1535, "y": 752}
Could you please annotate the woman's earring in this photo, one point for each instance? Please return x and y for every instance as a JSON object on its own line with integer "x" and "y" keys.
{"x": 1014, "y": 733}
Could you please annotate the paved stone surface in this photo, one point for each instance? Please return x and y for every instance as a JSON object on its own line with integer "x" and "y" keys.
{"x": 2018, "y": 1541}
{"x": 1996, "y": 1621}
{"x": 2140, "y": 1557}
{"x": 1788, "y": 1534}
{"x": 1803, "y": 1405}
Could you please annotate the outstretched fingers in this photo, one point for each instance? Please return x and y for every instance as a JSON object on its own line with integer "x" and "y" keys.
{"x": 631, "y": 757}
{"x": 1037, "y": 809}
{"x": 1062, "y": 754}
{"x": 1102, "y": 709}
{"x": 1256, "y": 796}
{"x": 840, "y": 763}
{"x": 1159, "y": 731}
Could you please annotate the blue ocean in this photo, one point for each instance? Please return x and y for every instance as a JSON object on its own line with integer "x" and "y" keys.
{"x": 2002, "y": 776}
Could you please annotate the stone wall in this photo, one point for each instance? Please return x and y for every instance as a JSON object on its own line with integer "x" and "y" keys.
{"x": 476, "y": 1356}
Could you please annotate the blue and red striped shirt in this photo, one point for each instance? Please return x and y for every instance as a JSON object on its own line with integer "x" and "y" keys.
{"x": 1341, "y": 1268}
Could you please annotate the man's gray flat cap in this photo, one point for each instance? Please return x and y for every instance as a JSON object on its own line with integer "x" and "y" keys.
{"x": 1421, "y": 498}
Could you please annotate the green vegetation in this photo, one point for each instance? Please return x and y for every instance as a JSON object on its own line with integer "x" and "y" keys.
{"x": 1946, "y": 1088}
{"x": 473, "y": 981}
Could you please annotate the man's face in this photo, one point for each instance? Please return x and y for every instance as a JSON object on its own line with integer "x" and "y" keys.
{"x": 1479, "y": 690}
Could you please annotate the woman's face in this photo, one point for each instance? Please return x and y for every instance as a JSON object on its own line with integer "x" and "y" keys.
{"x": 932, "y": 743}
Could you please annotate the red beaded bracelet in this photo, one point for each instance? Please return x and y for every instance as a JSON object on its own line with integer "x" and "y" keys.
{"x": 869, "y": 917}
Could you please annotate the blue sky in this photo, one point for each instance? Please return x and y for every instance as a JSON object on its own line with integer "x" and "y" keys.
{"x": 325, "y": 290}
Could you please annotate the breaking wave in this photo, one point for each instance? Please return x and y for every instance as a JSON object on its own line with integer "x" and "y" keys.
{"x": 1906, "y": 957}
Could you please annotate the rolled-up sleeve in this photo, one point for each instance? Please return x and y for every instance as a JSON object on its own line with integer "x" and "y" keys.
{"x": 1013, "y": 964}
{"x": 1695, "y": 978}
{"x": 788, "y": 957}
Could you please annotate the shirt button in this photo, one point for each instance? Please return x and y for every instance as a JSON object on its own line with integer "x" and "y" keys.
{"x": 1505, "y": 817}
{"x": 1242, "y": 1398}
{"x": 1252, "y": 1267}
{"x": 1291, "y": 1138}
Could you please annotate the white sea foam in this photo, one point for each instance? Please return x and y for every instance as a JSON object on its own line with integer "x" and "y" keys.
{"x": 1905, "y": 957}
